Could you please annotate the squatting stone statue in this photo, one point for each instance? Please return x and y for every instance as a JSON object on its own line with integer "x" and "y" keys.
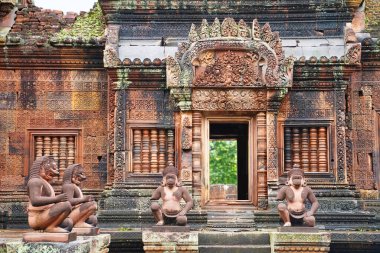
{"x": 45, "y": 210}
{"x": 84, "y": 207}
{"x": 171, "y": 192}
{"x": 296, "y": 193}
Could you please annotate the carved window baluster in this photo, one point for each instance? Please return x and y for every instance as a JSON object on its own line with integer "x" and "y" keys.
{"x": 306, "y": 146}
{"x": 296, "y": 146}
{"x": 170, "y": 147}
{"x": 153, "y": 151}
{"x": 288, "y": 148}
{"x": 38, "y": 146}
{"x": 305, "y": 149}
{"x": 47, "y": 146}
{"x": 62, "y": 147}
{"x": 145, "y": 152}
{"x": 137, "y": 151}
{"x": 70, "y": 150}
{"x": 322, "y": 149}
{"x": 161, "y": 150}
{"x": 62, "y": 155}
{"x": 55, "y": 148}
{"x": 313, "y": 149}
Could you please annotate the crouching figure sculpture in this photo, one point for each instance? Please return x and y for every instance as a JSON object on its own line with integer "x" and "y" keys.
{"x": 46, "y": 211}
{"x": 84, "y": 207}
{"x": 296, "y": 193}
{"x": 171, "y": 192}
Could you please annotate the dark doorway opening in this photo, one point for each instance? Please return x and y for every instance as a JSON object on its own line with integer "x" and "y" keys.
{"x": 236, "y": 137}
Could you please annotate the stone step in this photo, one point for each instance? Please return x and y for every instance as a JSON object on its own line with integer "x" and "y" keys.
{"x": 233, "y": 239}
{"x": 231, "y": 221}
{"x": 234, "y": 249}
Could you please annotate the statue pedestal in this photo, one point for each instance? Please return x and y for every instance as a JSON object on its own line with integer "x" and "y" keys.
{"x": 298, "y": 229}
{"x": 170, "y": 241}
{"x": 301, "y": 242}
{"x": 171, "y": 228}
{"x": 83, "y": 244}
{"x": 49, "y": 237}
{"x": 86, "y": 231}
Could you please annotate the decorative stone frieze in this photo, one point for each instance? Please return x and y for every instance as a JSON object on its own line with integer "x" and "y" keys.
{"x": 228, "y": 55}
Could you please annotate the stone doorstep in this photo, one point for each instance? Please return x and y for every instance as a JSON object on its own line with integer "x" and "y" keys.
{"x": 49, "y": 237}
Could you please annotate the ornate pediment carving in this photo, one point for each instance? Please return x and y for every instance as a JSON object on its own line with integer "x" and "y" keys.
{"x": 229, "y": 55}
{"x": 227, "y": 68}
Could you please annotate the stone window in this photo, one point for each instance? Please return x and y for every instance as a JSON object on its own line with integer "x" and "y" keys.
{"x": 306, "y": 146}
{"x": 63, "y": 145}
{"x": 152, "y": 150}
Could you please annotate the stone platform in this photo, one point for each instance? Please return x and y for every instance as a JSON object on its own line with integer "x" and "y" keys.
{"x": 83, "y": 244}
{"x": 203, "y": 241}
{"x": 300, "y": 242}
{"x": 173, "y": 242}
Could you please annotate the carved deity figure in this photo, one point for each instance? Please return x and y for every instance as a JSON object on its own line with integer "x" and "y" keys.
{"x": 296, "y": 193}
{"x": 84, "y": 207}
{"x": 171, "y": 192}
{"x": 46, "y": 211}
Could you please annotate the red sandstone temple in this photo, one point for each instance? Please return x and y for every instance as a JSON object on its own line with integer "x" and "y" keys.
{"x": 134, "y": 86}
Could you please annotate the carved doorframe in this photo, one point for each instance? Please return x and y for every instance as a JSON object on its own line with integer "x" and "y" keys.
{"x": 256, "y": 83}
{"x": 252, "y": 154}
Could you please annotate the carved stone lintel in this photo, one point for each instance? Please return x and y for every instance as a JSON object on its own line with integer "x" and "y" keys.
{"x": 229, "y": 100}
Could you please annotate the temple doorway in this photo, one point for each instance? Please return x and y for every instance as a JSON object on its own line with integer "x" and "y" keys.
{"x": 229, "y": 163}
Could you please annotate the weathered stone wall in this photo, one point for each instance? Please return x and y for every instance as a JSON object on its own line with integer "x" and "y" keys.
{"x": 52, "y": 99}
{"x": 362, "y": 100}
{"x": 372, "y": 13}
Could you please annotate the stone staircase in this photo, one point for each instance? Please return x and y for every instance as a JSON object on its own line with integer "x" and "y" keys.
{"x": 231, "y": 221}
{"x": 234, "y": 242}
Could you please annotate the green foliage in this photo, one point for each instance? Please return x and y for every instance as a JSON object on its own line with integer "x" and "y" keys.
{"x": 223, "y": 162}
{"x": 89, "y": 25}
{"x": 124, "y": 229}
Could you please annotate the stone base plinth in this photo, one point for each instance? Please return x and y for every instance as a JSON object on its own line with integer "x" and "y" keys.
{"x": 157, "y": 242}
{"x": 301, "y": 242}
{"x": 171, "y": 228}
{"x": 86, "y": 231}
{"x": 298, "y": 229}
{"x": 83, "y": 244}
{"x": 49, "y": 237}
{"x": 99, "y": 243}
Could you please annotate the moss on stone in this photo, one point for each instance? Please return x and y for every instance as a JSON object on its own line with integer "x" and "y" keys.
{"x": 89, "y": 25}
{"x": 372, "y": 12}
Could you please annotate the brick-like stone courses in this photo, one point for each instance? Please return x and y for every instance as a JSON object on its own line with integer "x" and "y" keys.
{"x": 52, "y": 99}
{"x": 36, "y": 24}
{"x": 372, "y": 13}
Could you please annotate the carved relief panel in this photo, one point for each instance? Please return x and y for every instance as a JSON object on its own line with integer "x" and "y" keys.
{"x": 229, "y": 100}
{"x": 149, "y": 105}
{"x": 227, "y": 68}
